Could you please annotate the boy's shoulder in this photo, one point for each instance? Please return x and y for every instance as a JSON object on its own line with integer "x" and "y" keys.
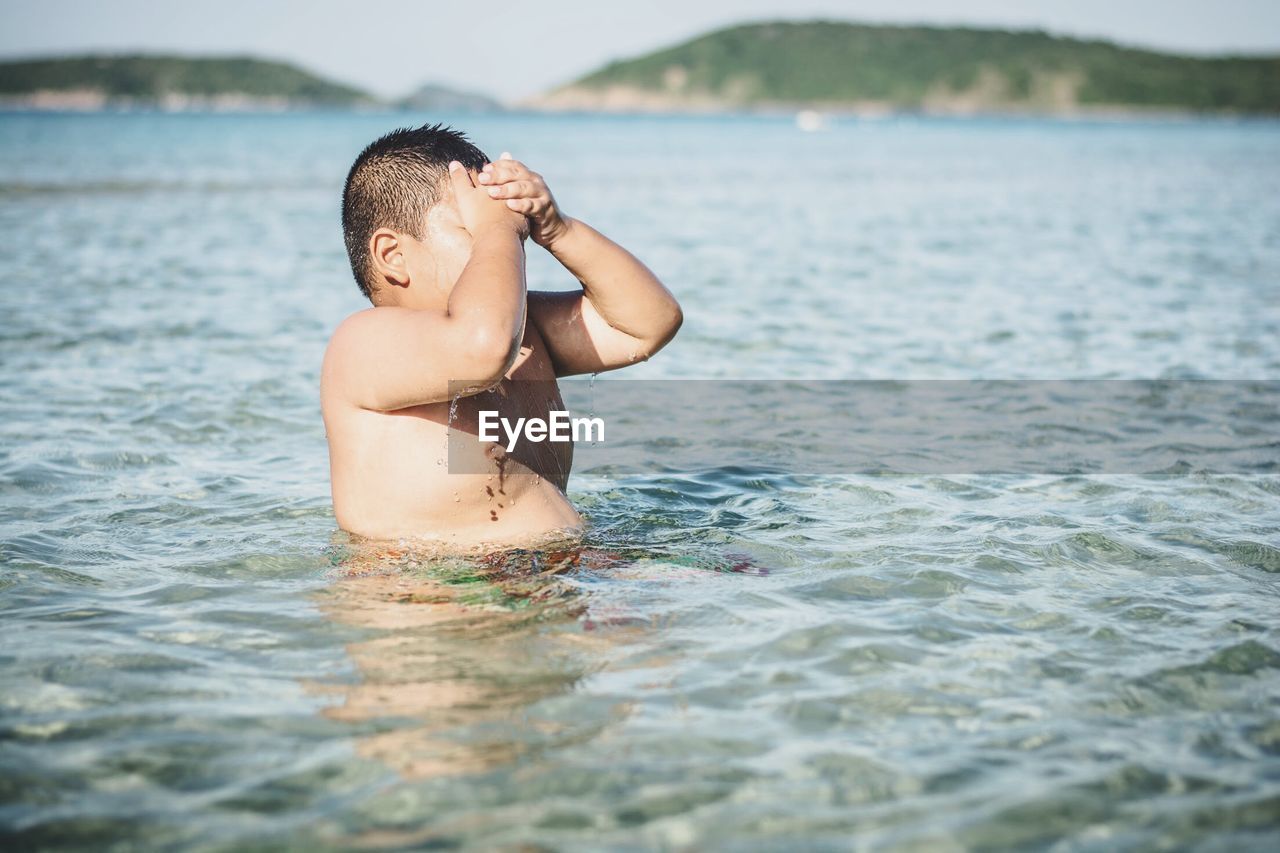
{"x": 345, "y": 344}
{"x": 345, "y": 334}
{"x": 368, "y": 346}
{"x": 374, "y": 320}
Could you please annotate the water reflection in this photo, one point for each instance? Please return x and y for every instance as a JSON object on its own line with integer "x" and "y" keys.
{"x": 465, "y": 657}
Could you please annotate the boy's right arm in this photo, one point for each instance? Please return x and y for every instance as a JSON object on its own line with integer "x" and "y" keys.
{"x": 390, "y": 358}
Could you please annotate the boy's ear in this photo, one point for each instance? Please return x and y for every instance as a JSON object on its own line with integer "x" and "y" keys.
{"x": 387, "y": 252}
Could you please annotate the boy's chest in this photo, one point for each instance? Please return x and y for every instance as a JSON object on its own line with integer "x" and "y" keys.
{"x": 529, "y": 392}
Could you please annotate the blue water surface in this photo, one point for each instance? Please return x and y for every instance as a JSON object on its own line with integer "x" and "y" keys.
{"x": 742, "y": 657}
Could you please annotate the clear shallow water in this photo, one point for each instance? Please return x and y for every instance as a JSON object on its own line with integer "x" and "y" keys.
{"x": 190, "y": 657}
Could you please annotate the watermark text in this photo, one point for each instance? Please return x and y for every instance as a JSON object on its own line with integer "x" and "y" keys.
{"x": 559, "y": 426}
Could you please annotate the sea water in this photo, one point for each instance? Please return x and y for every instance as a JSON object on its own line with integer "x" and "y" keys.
{"x": 190, "y": 655}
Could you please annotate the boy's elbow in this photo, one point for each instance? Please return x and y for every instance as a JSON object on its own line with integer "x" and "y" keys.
{"x": 677, "y": 319}
{"x": 673, "y": 321}
{"x": 491, "y": 350}
{"x": 662, "y": 333}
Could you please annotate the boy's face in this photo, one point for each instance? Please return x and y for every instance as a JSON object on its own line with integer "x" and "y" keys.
{"x": 446, "y": 237}
{"x": 435, "y": 260}
{"x": 442, "y": 253}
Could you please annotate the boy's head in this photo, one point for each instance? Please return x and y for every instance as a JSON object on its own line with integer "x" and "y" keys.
{"x": 393, "y": 184}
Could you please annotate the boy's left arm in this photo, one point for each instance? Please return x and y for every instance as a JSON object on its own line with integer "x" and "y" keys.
{"x": 622, "y": 315}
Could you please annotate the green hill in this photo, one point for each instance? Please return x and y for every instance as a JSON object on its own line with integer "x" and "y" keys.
{"x": 172, "y": 81}
{"x": 836, "y": 64}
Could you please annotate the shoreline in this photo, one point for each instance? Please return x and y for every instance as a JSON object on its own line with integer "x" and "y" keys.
{"x": 1092, "y": 115}
{"x": 640, "y": 102}
{"x": 82, "y": 103}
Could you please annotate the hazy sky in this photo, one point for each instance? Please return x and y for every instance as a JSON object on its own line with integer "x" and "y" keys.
{"x": 513, "y": 49}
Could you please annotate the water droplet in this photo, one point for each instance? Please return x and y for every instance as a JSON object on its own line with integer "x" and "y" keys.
{"x": 456, "y": 498}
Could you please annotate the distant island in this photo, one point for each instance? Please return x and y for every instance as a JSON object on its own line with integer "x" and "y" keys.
{"x": 859, "y": 68}
{"x": 829, "y": 66}
{"x": 179, "y": 83}
{"x": 169, "y": 82}
{"x": 436, "y": 97}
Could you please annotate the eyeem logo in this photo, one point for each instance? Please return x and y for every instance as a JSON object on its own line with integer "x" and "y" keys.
{"x": 559, "y": 427}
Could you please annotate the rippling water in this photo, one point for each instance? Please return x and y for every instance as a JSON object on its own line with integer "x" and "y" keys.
{"x": 192, "y": 656}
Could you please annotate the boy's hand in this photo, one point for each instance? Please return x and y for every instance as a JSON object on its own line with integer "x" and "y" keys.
{"x": 477, "y": 210}
{"x": 525, "y": 192}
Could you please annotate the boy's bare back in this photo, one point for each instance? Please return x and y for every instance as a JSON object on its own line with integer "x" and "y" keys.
{"x": 451, "y": 307}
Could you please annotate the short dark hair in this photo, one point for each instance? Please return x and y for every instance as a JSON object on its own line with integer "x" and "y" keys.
{"x": 393, "y": 183}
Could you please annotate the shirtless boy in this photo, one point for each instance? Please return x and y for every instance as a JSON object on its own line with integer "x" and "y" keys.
{"x": 436, "y": 236}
